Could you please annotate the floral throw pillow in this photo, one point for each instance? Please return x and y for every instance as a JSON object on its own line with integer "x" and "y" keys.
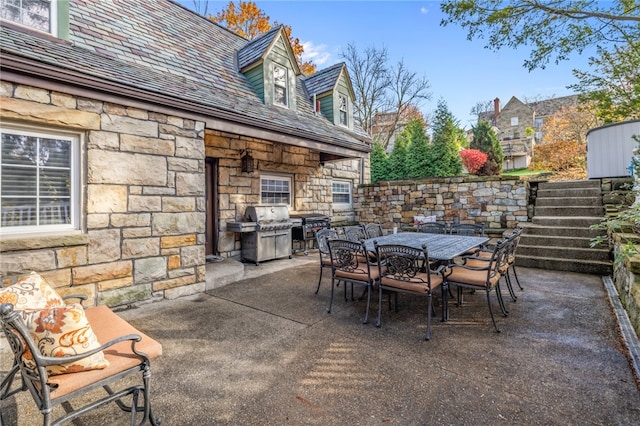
{"x": 62, "y": 331}
{"x": 30, "y": 292}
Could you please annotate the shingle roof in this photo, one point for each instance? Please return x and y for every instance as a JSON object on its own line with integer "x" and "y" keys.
{"x": 255, "y": 49}
{"x": 162, "y": 48}
{"x": 324, "y": 80}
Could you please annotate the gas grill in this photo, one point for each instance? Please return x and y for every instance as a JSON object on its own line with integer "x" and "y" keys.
{"x": 309, "y": 223}
{"x": 266, "y": 233}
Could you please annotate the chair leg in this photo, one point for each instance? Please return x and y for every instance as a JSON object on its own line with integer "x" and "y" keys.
{"x": 319, "y": 279}
{"x": 503, "y": 307}
{"x": 331, "y": 297}
{"x": 515, "y": 274}
{"x": 379, "y": 323}
{"x": 491, "y": 312}
{"x": 429, "y": 310}
{"x": 507, "y": 279}
{"x": 445, "y": 302}
{"x": 366, "y": 315}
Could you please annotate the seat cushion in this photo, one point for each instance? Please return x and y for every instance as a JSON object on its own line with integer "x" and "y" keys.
{"x": 358, "y": 274}
{"x": 456, "y": 274}
{"x": 417, "y": 284}
{"x": 62, "y": 331}
{"x": 30, "y": 292}
{"x": 107, "y": 326}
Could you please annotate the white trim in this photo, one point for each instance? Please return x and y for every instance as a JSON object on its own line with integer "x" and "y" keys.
{"x": 75, "y": 173}
{"x": 349, "y": 185}
{"x": 277, "y": 178}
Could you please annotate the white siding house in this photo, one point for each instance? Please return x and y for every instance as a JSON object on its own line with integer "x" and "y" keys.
{"x": 609, "y": 149}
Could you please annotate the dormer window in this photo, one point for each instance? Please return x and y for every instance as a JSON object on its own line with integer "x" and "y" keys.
{"x": 280, "y": 86}
{"x": 37, "y": 14}
{"x": 343, "y": 108}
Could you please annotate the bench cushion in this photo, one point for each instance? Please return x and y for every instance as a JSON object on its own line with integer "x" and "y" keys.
{"x": 107, "y": 326}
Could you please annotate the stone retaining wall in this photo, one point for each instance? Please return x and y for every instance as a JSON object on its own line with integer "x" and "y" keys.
{"x": 626, "y": 277}
{"x": 498, "y": 202}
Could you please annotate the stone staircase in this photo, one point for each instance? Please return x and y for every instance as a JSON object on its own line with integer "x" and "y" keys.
{"x": 558, "y": 236}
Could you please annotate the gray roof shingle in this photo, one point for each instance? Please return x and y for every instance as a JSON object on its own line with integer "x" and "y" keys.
{"x": 162, "y": 48}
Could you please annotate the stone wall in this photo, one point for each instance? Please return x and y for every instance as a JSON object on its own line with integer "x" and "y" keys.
{"x": 500, "y": 203}
{"x": 144, "y": 211}
{"x": 237, "y": 189}
{"x": 626, "y": 277}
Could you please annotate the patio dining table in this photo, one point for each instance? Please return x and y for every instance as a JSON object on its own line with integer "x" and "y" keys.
{"x": 441, "y": 247}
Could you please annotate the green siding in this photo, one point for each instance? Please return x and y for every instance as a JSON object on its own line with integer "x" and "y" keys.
{"x": 256, "y": 79}
{"x": 326, "y": 106}
{"x": 63, "y": 19}
{"x": 280, "y": 55}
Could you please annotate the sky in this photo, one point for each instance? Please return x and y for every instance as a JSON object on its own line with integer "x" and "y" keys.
{"x": 460, "y": 72}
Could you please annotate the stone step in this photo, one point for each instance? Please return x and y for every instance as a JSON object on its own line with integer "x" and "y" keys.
{"x": 568, "y": 201}
{"x": 586, "y": 254}
{"x": 566, "y": 222}
{"x": 573, "y": 211}
{"x": 560, "y": 232}
{"x": 570, "y": 184}
{"x": 569, "y": 265}
{"x": 555, "y": 241}
{"x": 568, "y": 192}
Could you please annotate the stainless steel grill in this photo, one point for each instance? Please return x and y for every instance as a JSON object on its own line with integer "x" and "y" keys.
{"x": 266, "y": 233}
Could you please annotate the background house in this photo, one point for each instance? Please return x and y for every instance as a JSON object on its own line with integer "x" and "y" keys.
{"x": 133, "y": 131}
{"x": 519, "y": 126}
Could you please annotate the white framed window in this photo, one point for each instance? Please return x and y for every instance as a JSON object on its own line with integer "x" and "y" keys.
{"x": 343, "y": 109}
{"x": 39, "y": 180}
{"x": 539, "y": 122}
{"x": 514, "y": 121}
{"x": 275, "y": 189}
{"x": 341, "y": 190}
{"x": 280, "y": 86}
{"x": 37, "y": 14}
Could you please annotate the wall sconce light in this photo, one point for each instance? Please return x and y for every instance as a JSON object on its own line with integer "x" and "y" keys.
{"x": 247, "y": 162}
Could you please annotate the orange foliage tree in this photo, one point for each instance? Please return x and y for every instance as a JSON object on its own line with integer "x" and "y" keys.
{"x": 249, "y": 21}
{"x": 559, "y": 156}
{"x": 569, "y": 124}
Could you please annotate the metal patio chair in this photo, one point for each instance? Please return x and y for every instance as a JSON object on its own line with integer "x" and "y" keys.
{"x": 405, "y": 269}
{"x": 479, "y": 273}
{"x": 355, "y": 232}
{"x": 127, "y": 351}
{"x": 350, "y": 264}
{"x": 432, "y": 228}
{"x": 373, "y": 230}
{"x": 322, "y": 236}
{"x": 469, "y": 229}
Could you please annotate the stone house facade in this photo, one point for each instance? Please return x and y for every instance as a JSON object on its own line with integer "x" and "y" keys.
{"x": 519, "y": 126}
{"x": 124, "y": 129}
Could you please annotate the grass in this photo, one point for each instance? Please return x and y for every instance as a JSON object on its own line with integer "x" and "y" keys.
{"x": 522, "y": 172}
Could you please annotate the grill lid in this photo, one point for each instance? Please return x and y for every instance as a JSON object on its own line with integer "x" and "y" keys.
{"x": 277, "y": 213}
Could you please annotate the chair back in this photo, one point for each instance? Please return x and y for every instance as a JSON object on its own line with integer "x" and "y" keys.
{"x": 322, "y": 235}
{"x": 348, "y": 257}
{"x": 403, "y": 263}
{"x": 21, "y": 344}
{"x": 355, "y": 233}
{"x": 432, "y": 228}
{"x": 373, "y": 230}
{"x": 468, "y": 229}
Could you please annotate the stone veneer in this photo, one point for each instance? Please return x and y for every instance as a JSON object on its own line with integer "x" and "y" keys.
{"x": 237, "y": 190}
{"x": 144, "y": 211}
{"x": 498, "y": 202}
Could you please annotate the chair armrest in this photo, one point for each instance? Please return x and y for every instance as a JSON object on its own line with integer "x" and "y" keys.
{"x": 81, "y": 297}
{"x": 48, "y": 360}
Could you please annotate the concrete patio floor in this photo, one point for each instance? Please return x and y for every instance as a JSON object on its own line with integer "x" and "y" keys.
{"x": 263, "y": 350}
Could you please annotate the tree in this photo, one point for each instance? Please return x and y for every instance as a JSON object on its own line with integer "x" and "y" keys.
{"x": 447, "y": 139}
{"x": 473, "y": 160}
{"x": 569, "y": 124}
{"x": 485, "y": 140}
{"x": 398, "y": 159}
{"x": 552, "y": 28}
{"x": 379, "y": 88}
{"x": 379, "y": 163}
{"x": 249, "y": 21}
{"x": 613, "y": 85}
{"x": 418, "y": 150}
{"x": 201, "y": 7}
